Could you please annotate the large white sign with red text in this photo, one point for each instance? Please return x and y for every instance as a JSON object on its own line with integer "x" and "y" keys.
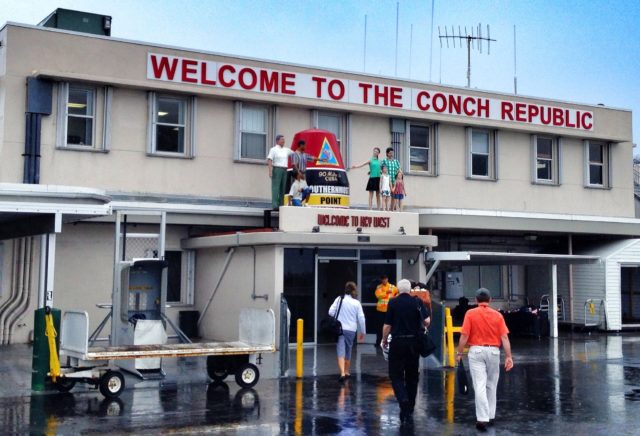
{"x": 423, "y": 99}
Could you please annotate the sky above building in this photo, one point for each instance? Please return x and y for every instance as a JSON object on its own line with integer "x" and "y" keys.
{"x": 570, "y": 50}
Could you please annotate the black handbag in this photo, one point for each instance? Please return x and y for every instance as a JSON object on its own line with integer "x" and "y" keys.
{"x": 426, "y": 346}
{"x": 463, "y": 381}
{"x": 330, "y": 324}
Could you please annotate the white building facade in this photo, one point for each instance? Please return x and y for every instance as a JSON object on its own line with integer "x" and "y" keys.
{"x": 157, "y": 128}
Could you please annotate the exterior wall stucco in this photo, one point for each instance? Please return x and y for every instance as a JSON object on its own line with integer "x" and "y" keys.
{"x": 215, "y": 173}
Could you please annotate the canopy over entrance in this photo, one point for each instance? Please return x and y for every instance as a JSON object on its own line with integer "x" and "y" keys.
{"x": 493, "y": 258}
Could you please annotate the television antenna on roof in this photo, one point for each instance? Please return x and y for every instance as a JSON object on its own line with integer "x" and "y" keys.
{"x": 474, "y": 40}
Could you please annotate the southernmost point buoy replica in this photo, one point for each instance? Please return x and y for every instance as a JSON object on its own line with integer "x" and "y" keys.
{"x": 326, "y": 176}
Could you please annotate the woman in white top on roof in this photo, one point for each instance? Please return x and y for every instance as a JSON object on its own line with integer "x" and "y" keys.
{"x": 351, "y": 317}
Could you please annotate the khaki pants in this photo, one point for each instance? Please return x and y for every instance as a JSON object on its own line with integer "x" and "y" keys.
{"x": 484, "y": 365}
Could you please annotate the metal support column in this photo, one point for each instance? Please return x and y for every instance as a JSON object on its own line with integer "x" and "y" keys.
{"x": 553, "y": 304}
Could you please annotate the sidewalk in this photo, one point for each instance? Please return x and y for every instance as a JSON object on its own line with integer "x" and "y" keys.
{"x": 578, "y": 385}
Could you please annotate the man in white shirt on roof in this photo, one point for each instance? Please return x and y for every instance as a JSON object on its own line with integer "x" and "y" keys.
{"x": 278, "y": 161}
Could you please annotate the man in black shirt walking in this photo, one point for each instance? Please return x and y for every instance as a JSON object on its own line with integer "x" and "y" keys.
{"x": 406, "y": 318}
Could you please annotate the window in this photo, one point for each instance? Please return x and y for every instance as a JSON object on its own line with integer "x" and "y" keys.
{"x": 484, "y": 276}
{"x": 546, "y": 160}
{"x": 338, "y": 124}
{"x": 254, "y": 134}
{"x": 172, "y": 127}
{"x": 422, "y": 149}
{"x": 83, "y": 117}
{"x": 180, "y": 276}
{"x": 481, "y": 159}
{"x": 597, "y": 164}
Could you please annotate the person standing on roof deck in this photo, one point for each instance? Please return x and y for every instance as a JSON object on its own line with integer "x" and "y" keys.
{"x": 484, "y": 330}
{"x": 351, "y": 317}
{"x": 373, "y": 184}
{"x": 277, "y": 161}
{"x": 393, "y": 166}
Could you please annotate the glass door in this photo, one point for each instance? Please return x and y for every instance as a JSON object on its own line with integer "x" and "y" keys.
{"x": 369, "y": 274}
{"x": 331, "y": 276}
{"x": 630, "y": 294}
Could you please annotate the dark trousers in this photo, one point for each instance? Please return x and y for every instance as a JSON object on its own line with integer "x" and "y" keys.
{"x": 404, "y": 372}
{"x": 379, "y": 323}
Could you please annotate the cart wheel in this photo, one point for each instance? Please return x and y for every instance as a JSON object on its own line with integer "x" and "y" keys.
{"x": 112, "y": 384}
{"x": 64, "y": 384}
{"x": 217, "y": 375}
{"x": 214, "y": 371}
{"x": 247, "y": 375}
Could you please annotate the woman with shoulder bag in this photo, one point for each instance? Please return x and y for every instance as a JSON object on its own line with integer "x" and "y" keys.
{"x": 351, "y": 316}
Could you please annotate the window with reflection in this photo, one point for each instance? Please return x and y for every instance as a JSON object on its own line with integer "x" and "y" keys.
{"x": 546, "y": 159}
{"x": 598, "y": 164}
{"x": 421, "y": 148}
{"x": 81, "y": 116}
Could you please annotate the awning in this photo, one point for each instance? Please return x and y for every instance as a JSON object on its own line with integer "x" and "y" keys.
{"x": 28, "y": 210}
{"x": 240, "y": 239}
{"x": 503, "y": 258}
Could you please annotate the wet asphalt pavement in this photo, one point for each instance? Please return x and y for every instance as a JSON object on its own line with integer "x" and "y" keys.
{"x": 578, "y": 384}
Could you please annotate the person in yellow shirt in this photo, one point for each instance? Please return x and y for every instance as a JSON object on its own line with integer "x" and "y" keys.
{"x": 384, "y": 292}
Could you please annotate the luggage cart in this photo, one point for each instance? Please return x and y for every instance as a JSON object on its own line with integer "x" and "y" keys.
{"x": 95, "y": 365}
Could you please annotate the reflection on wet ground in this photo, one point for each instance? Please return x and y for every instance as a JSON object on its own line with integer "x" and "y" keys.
{"x": 577, "y": 384}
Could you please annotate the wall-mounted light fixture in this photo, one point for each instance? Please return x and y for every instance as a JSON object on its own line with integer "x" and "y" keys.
{"x": 315, "y": 229}
{"x": 359, "y": 230}
{"x": 401, "y": 230}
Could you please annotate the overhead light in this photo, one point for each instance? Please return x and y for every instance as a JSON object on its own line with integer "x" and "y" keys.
{"x": 530, "y": 237}
{"x": 162, "y": 114}
{"x": 76, "y": 105}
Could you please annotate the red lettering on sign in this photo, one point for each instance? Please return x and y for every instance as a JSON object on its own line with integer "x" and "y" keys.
{"x": 587, "y": 124}
{"x": 545, "y": 115}
{"x": 420, "y": 100}
{"x": 521, "y": 111}
{"x": 164, "y": 67}
{"x": 455, "y": 104}
{"x": 319, "y": 81}
{"x": 532, "y": 112}
{"x": 558, "y": 118}
{"x": 268, "y": 81}
{"x": 465, "y": 106}
{"x": 188, "y": 68}
{"x": 506, "y": 110}
{"x": 288, "y": 81}
{"x": 567, "y": 119}
{"x": 332, "y": 91}
{"x": 365, "y": 91}
{"x": 483, "y": 107}
{"x": 223, "y": 81}
{"x": 396, "y": 97}
{"x": 203, "y": 75}
{"x": 242, "y": 78}
{"x": 381, "y": 93}
{"x": 439, "y": 102}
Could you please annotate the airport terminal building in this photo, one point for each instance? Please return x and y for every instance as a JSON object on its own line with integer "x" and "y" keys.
{"x": 92, "y": 126}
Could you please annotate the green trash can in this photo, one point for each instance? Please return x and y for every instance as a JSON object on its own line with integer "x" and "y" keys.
{"x": 40, "y": 361}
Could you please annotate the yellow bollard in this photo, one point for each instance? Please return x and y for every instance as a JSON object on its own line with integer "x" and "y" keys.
{"x": 299, "y": 349}
{"x": 450, "y": 345}
{"x": 297, "y": 423}
{"x": 450, "y": 389}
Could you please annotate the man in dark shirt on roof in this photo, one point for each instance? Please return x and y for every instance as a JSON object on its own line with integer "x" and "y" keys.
{"x": 406, "y": 318}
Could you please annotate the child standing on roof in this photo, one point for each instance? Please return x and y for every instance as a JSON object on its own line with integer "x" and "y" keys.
{"x": 385, "y": 188}
{"x": 299, "y": 190}
{"x": 399, "y": 192}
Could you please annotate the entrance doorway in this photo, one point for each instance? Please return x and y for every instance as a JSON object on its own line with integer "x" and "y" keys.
{"x": 369, "y": 275}
{"x": 332, "y": 274}
{"x": 630, "y": 294}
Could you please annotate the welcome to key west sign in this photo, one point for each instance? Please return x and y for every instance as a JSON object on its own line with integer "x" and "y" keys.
{"x": 296, "y": 84}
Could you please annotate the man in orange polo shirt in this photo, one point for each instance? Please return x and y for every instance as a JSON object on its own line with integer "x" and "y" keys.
{"x": 484, "y": 330}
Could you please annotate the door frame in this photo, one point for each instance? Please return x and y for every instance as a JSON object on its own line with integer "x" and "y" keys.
{"x": 315, "y": 293}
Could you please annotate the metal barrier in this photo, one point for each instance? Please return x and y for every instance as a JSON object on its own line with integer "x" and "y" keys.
{"x": 449, "y": 330}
